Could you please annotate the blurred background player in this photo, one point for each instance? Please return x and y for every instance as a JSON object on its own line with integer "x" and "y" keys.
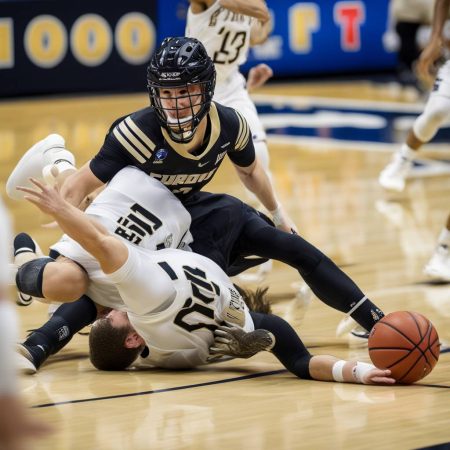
{"x": 15, "y": 426}
{"x": 437, "y": 111}
{"x": 227, "y": 29}
{"x": 406, "y": 17}
{"x": 439, "y": 264}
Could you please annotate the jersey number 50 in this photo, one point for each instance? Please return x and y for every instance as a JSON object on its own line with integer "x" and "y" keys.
{"x": 204, "y": 292}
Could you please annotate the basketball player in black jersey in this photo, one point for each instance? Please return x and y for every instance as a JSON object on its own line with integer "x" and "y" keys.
{"x": 181, "y": 140}
{"x": 183, "y": 137}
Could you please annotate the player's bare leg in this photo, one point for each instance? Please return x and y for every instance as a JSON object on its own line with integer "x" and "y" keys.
{"x": 436, "y": 112}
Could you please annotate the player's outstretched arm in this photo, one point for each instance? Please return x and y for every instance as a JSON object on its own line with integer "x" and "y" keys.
{"x": 329, "y": 368}
{"x": 256, "y": 180}
{"x": 284, "y": 343}
{"x": 110, "y": 252}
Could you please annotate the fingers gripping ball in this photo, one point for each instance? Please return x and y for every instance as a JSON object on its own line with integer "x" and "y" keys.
{"x": 406, "y": 343}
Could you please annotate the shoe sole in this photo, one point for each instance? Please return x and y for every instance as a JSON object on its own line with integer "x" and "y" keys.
{"x": 432, "y": 273}
{"x": 346, "y": 325}
{"x": 51, "y": 141}
{"x": 24, "y": 299}
{"x": 23, "y": 361}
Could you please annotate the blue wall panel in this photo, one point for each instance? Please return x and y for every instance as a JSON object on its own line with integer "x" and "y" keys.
{"x": 310, "y": 37}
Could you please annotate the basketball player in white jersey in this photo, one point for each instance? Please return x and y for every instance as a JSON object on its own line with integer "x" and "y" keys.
{"x": 15, "y": 426}
{"x": 227, "y": 29}
{"x": 150, "y": 221}
{"x": 437, "y": 111}
{"x": 177, "y": 299}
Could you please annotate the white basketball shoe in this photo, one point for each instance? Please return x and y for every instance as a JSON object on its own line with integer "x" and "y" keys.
{"x": 354, "y": 334}
{"x": 439, "y": 264}
{"x": 37, "y": 163}
{"x": 394, "y": 174}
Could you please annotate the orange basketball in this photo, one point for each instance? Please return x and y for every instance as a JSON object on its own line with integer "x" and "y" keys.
{"x": 406, "y": 343}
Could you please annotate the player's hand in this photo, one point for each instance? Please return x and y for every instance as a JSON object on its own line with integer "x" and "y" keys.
{"x": 425, "y": 63}
{"x": 282, "y": 220}
{"x": 257, "y": 76}
{"x": 378, "y": 376}
{"x": 46, "y": 198}
{"x": 235, "y": 342}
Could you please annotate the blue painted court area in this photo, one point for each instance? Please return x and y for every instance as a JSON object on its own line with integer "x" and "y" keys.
{"x": 372, "y": 123}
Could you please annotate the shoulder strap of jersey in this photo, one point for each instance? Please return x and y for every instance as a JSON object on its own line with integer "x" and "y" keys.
{"x": 134, "y": 139}
{"x": 243, "y": 134}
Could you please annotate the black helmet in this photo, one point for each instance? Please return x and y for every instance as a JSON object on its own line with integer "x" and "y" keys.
{"x": 181, "y": 62}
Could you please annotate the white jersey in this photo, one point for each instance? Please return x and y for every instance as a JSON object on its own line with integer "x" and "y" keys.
{"x": 141, "y": 210}
{"x": 175, "y": 301}
{"x": 226, "y": 37}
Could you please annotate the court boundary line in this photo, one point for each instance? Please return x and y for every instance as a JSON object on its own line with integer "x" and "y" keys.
{"x": 190, "y": 386}
{"x": 159, "y": 391}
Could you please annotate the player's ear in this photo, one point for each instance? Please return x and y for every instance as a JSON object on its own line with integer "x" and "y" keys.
{"x": 133, "y": 340}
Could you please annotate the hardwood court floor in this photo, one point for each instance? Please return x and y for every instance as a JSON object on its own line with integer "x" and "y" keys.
{"x": 337, "y": 204}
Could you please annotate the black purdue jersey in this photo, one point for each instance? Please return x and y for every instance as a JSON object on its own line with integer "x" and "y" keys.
{"x": 138, "y": 140}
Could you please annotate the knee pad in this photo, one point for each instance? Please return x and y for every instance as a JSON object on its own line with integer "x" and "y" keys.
{"x": 428, "y": 123}
{"x": 29, "y": 276}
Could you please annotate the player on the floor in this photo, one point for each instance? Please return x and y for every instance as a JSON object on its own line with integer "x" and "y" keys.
{"x": 437, "y": 109}
{"x": 224, "y": 229}
{"x": 177, "y": 299}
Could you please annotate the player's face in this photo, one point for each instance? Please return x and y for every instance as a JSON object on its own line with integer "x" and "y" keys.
{"x": 180, "y": 104}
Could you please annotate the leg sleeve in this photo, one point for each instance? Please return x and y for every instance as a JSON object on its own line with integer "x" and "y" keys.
{"x": 289, "y": 348}
{"x": 329, "y": 283}
{"x": 326, "y": 280}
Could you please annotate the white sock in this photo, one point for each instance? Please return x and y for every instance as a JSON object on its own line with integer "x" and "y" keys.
{"x": 407, "y": 152}
{"x": 24, "y": 257}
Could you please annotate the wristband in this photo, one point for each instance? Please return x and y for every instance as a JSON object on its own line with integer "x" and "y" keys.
{"x": 360, "y": 370}
{"x": 337, "y": 371}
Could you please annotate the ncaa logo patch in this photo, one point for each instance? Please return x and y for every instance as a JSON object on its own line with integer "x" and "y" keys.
{"x": 160, "y": 155}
